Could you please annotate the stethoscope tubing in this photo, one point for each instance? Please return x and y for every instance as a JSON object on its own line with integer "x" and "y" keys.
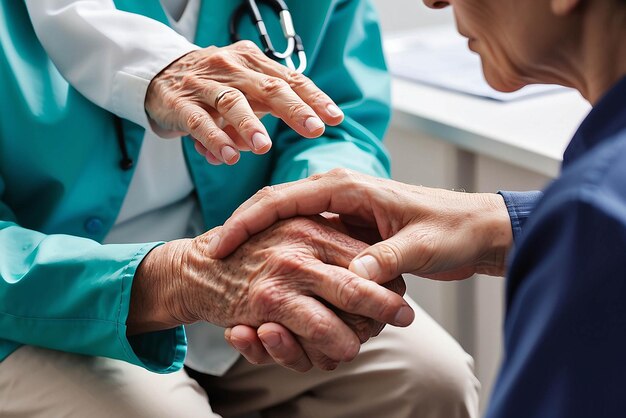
{"x": 294, "y": 43}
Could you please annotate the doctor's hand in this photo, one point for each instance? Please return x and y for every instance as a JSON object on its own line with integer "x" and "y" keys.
{"x": 291, "y": 274}
{"x": 217, "y": 95}
{"x": 433, "y": 233}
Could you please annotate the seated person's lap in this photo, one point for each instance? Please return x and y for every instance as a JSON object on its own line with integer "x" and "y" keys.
{"x": 415, "y": 371}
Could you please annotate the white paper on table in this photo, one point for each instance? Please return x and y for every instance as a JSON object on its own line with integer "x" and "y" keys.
{"x": 439, "y": 56}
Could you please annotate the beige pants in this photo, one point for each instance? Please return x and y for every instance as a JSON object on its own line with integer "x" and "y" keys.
{"x": 418, "y": 371}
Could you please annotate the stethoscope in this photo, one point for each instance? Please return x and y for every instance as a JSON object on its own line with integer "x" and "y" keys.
{"x": 294, "y": 43}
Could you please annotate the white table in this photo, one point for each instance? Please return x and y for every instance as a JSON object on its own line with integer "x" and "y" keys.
{"x": 531, "y": 133}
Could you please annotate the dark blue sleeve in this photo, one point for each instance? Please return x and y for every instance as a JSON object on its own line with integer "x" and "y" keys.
{"x": 565, "y": 330}
{"x": 520, "y": 205}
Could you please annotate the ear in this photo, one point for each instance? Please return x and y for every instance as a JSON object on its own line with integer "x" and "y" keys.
{"x": 564, "y": 7}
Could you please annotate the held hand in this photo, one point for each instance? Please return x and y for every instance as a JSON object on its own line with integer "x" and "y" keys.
{"x": 273, "y": 343}
{"x": 291, "y": 274}
{"x": 434, "y": 233}
{"x": 217, "y": 94}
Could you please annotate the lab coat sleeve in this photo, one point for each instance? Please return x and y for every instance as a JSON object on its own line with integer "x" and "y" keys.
{"x": 108, "y": 55}
{"x": 520, "y": 205}
{"x": 72, "y": 294}
{"x": 349, "y": 66}
{"x": 564, "y": 329}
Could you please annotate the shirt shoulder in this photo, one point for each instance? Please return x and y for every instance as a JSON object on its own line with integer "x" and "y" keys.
{"x": 589, "y": 197}
{"x": 597, "y": 180}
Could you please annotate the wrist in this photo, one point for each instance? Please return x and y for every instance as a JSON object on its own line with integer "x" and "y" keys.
{"x": 498, "y": 233}
{"x": 157, "y": 293}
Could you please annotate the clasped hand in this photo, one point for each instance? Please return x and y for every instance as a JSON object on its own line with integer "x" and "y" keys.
{"x": 293, "y": 274}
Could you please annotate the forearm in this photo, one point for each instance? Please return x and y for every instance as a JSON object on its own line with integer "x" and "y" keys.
{"x": 72, "y": 294}
{"x": 108, "y": 55}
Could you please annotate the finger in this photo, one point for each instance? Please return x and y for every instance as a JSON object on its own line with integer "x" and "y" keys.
{"x": 283, "y": 102}
{"x": 397, "y": 286}
{"x": 402, "y": 253}
{"x": 319, "y": 359}
{"x": 347, "y": 291}
{"x": 329, "y": 192}
{"x": 252, "y": 57}
{"x": 283, "y": 347}
{"x": 318, "y": 326}
{"x": 211, "y": 159}
{"x": 245, "y": 340}
{"x": 202, "y": 127}
{"x": 306, "y": 89}
{"x": 238, "y": 139}
{"x": 233, "y": 106}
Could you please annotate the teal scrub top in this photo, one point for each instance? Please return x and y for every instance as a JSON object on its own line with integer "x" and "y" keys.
{"x": 61, "y": 185}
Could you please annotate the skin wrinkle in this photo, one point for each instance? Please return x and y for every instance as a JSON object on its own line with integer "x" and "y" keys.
{"x": 280, "y": 273}
{"x": 455, "y": 235}
{"x": 185, "y": 98}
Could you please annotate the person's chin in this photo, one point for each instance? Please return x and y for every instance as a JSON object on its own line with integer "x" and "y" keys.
{"x": 499, "y": 81}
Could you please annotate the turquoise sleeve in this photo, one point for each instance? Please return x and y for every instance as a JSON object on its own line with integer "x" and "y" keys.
{"x": 72, "y": 294}
{"x": 349, "y": 66}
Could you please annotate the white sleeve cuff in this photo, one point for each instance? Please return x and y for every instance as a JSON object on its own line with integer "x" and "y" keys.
{"x": 130, "y": 85}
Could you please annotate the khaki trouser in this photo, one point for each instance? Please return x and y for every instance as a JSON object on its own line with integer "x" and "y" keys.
{"x": 419, "y": 371}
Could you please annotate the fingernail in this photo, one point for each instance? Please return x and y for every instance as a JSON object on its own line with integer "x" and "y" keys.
{"x": 229, "y": 154}
{"x": 334, "y": 111}
{"x": 271, "y": 339}
{"x": 239, "y": 344}
{"x": 214, "y": 242}
{"x": 404, "y": 317}
{"x": 260, "y": 141}
{"x": 313, "y": 124}
{"x": 366, "y": 267}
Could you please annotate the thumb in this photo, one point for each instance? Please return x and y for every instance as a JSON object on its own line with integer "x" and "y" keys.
{"x": 387, "y": 259}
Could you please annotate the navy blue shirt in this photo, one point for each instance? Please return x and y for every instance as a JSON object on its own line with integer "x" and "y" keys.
{"x": 565, "y": 328}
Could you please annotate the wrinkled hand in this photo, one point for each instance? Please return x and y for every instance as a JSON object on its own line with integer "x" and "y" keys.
{"x": 291, "y": 274}
{"x": 218, "y": 94}
{"x": 433, "y": 233}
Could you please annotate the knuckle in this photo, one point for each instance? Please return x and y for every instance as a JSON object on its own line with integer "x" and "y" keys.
{"x": 270, "y": 195}
{"x": 195, "y": 120}
{"x": 317, "y": 329}
{"x": 350, "y": 294}
{"x": 188, "y": 80}
{"x": 297, "y": 110}
{"x": 268, "y": 299}
{"x": 228, "y": 100}
{"x": 389, "y": 257}
{"x": 246, "y": 45}
{"x": 220, "y": 57}
{"x": 272, "y": 85}
{"x": 343, "y": 174}
{"x": 297, "y": 80}
{"x": 247, "y": 123}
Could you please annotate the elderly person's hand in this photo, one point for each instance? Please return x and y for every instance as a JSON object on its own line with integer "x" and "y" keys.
{"x": 434, "y": 233}
{"x": 293, "y": 274}
{"x": 217, "y": 95}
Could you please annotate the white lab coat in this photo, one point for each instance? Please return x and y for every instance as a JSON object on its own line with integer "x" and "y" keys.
{"x": 110, "y": 57}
